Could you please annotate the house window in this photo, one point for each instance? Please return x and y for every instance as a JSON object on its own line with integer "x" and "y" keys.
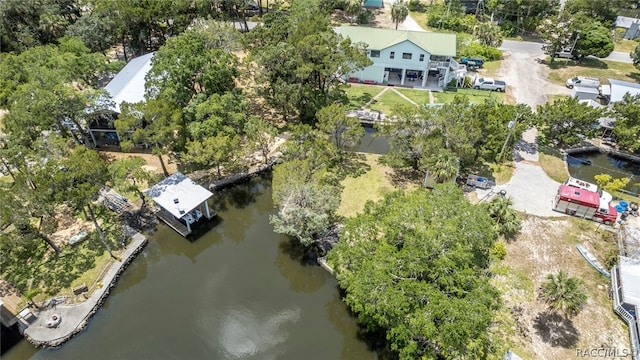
{"x": 406, "y": 56}
{"x": 421, "y": 57}
{"x": 375, "y": 53}
{"x": 392, "y": 55}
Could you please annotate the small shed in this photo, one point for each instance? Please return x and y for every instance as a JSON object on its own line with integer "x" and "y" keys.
{"x": 182, "y": 202}
{"x": 620, "y": 88}
{"x": 584, "y": 93}
{"x": 631, "y": 26}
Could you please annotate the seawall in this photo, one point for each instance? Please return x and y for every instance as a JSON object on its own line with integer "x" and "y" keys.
{"x": 75, "y": 317}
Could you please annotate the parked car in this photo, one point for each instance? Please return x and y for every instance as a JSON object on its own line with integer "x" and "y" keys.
{"x": 583, "y": 81}
{"x": 472, "y": 61}
{"x": 566, "y": 54}
{"x": 489, "y": 84}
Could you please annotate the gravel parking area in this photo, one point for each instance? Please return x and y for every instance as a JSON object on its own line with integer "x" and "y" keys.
{"x": 527, "y": 80}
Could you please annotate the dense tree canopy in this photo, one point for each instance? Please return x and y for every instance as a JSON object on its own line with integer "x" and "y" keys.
{"x": 566, "y": 122}
{"x": 627, "y": 127}
{"x": 635, "y": 56}
{"x": 306, "y": 204}
{"x": 415, "y": 265}
{"x": 302, "y": 59}
{"x": 595, "y": 40}
{"x": 28, "y": 23}
{"x": 471, "y": 132}
{"x": 186, "y": 66}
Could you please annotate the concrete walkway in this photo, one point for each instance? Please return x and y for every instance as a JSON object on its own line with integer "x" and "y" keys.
{"x": 405, "y": 97}
{"x": 530, "y": 188}
{"x": 75, "y": 317}
{"x": 373, "y": 99}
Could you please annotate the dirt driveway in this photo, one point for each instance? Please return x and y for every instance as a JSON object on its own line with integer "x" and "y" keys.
{"x": 527, "y": 79}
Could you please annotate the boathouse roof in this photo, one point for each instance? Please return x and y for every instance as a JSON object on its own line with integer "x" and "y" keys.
{"x": 178, "y": 194}
{"x": 128, "y": 84}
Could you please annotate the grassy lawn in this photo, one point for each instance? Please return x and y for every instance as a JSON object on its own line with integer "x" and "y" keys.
{"x": 475, "y": 96}
{"x": 360, "y": 94}
{"x": 372, "y": 185}
{"x": 57, "y": 275}
{"x": 419, "y": 96}
{"x": 562, "y": 70}
{"x": 554, "y": 166}
{"x": 501, "y": 173}
{"x": 388, "y": 102}
{"x": 553, "y": 97}
{"x": 626, "y": 45}
{"x": 490, "y": 68}
{"x": 421, "y": 19}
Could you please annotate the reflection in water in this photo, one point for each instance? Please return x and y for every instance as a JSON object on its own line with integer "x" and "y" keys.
{"x": 301, "y": 272}
{"x": 372, "y": 144}
{"x": 232, "y": 293}
{"x": 603, "y": 163}
{"x": 245, "y": 335}
{"x": 353, "y": 348}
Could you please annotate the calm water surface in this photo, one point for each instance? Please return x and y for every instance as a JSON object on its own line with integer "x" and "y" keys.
{"x": 602, "y": 163}
{"x": 238, "y": 292}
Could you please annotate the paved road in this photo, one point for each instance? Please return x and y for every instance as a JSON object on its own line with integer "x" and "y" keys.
{"x": 535, "y": 48}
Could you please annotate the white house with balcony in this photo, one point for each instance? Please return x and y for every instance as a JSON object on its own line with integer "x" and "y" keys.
{"x": 405, "y": 58}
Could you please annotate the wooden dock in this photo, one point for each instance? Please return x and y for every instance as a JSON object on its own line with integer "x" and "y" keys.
{"x": 367, "y": 117}
{"x": 605, "y": 149}
{"x": 242, "y": 176}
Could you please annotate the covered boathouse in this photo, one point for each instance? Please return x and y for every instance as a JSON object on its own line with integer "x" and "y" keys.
{"x": 182, "y": 202}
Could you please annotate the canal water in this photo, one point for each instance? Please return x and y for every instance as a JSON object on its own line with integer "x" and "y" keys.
{"x": 602, "y": 163}
{"x": 240, "y": 291}
{"x": 370, "y": 143}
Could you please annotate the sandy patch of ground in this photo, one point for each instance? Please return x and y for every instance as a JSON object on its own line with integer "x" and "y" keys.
{"x": 527, "y": 80}
{"x": 153, "y": 163}
{"x": 547, "y": 246}
{"x": 68, "y": 226}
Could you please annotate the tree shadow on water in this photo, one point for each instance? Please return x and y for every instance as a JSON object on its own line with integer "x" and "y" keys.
{"x": 556, "y": 330}
{"x": 239, "y": 195}
{"x": 299, "y": 266}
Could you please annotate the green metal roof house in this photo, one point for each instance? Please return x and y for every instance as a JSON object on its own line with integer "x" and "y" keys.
{"x": 405, "y": 58}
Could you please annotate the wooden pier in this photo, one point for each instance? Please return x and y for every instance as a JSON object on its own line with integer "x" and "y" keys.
{"x": 597, "y": 147}
{"x": 242, "y": 176}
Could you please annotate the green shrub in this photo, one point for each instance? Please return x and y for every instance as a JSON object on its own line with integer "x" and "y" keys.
{"x": 452, "y": 18}
{"x": 416, "y": 5}
{"x": 498, "y": 251}
{"x": 488, "y": 53}
{"x": 365, "y": 16}
{"x": 508, "y": 28}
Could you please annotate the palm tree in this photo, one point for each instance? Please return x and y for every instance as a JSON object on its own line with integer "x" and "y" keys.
{"x": 564, "y": 293}
{"x": 488, "y": 34}
{"x": 352, "y": 8}
{"x": 443, "y": 166}
{"x": 399, "y": 12}
{"x": 507, "y": 222}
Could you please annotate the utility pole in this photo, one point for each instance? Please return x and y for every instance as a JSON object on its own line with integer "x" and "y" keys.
{"x": 512, "y": 125}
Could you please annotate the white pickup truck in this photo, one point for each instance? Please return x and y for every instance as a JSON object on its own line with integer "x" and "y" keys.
{"x": 489, "y": 84}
